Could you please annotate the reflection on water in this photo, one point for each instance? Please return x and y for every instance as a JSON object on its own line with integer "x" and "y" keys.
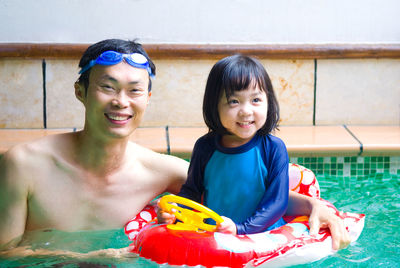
{"x": 84, "y": 241}
{"x": 52, "y": 248}
{"x": 379, "y": 244}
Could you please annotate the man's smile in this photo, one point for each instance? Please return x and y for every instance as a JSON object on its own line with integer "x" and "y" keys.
{"x": 118, "y": 118}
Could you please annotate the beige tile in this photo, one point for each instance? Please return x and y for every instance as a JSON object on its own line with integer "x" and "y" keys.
{"x": 179, "y": 87}
{"x": 359, "y": 91}
{"x": 178, "y": 93}
{"x": 378, "y": 140}
{"x": 63, "y": 109}
{"x": 348, "y": 92}
{"x": 293, "y": 82}
{"x": 21, "y": 93}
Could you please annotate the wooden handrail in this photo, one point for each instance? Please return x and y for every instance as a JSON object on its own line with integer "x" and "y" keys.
{"x": 207, "y": 51}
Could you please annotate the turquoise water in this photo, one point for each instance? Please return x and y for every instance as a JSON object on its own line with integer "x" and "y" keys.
{"x": 377, "y": 196}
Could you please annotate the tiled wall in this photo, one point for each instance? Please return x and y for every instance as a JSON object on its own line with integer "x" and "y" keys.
{"x": 21, "y": 94}
{"x": 359, "y": 91}
{"x": 350, "y": 166}
{"x": 348, "y": 91}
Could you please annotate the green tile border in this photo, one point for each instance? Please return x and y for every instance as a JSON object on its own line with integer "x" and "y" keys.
{"x": 350, "y": 166}
{"x": 347, "y": 166}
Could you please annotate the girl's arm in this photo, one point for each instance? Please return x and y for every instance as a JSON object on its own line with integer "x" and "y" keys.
{"x": 320, "y": 217}
{"x": 227, "y": 226}
{"x": 193, "y": 188}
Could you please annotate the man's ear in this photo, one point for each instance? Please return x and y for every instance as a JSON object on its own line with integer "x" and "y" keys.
{"x": 79, "y": 91}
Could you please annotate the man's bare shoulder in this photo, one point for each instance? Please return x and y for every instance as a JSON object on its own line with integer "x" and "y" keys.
{"x": 25, "y": 156}
{"x": 168, "y": 169}
{"x": 21, "y": 169}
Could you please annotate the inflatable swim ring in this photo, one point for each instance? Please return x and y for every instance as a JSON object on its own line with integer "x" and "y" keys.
{"x": 290, "y": 244}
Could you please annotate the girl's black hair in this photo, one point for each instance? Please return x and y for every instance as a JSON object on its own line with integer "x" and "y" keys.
{"x": 118, "y": 45}
{"x": 236, "y": 73}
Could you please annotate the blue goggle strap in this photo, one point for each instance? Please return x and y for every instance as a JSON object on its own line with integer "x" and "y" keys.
{"x": 117, "y": 60}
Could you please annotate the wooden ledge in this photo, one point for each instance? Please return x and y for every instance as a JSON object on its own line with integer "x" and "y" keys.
{"x": 212, "y": 51}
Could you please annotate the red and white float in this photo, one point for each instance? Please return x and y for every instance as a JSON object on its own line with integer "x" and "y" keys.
{"x": 287, "y": 245}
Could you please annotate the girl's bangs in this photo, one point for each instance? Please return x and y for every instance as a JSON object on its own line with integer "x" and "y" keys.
{"x": 240, "y": 77}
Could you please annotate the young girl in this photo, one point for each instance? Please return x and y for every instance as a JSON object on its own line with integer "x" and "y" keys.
{"x": 240, "y": 168}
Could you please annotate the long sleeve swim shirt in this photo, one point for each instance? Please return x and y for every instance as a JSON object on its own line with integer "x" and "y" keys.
{"x": 249, "y": 183}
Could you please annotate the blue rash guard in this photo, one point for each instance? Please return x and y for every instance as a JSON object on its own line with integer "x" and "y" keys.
{"x": 249, "y": 183}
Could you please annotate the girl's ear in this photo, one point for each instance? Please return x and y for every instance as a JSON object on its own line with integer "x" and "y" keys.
{"x": 79, "y": 91}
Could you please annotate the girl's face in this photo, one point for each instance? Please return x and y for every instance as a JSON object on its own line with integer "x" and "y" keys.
{"x": 242, "y": 114}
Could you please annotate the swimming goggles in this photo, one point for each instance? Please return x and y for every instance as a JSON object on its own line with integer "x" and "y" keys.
{"x": 112, "y": 57}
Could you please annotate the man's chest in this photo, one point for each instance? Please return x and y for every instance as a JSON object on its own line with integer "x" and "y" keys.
{"x": 71, "y": 204}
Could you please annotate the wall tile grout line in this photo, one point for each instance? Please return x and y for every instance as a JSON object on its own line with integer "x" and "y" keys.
{"x": 168, "y": 140}
{"x": 315, "y": 90}
{"x": 44, "y": 94}
{"x": 355, "y": 137}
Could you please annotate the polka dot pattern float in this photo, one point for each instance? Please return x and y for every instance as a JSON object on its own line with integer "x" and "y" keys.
{"x": 290, "y": 244}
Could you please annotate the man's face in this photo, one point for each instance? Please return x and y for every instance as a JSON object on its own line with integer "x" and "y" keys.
{"x": 116, "y": 99}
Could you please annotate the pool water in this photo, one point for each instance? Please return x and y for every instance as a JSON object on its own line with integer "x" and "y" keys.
{"x": 377, "y": 196}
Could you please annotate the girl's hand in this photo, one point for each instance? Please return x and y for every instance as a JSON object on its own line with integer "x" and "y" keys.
{"x": 323, "y": 217}
{"x": 163, "y": 216}
{"x": 227, "y": 226}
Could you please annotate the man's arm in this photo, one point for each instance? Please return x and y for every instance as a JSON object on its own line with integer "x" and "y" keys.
{"x": 13, "y": 200}
{"x": 320, "y": 217}
{"x": 174, "y": 170}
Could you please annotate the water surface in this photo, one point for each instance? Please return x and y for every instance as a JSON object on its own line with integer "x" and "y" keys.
{"x": 377, "y": 196}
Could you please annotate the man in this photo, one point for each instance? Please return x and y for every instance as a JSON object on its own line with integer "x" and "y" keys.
{"x": 96, "y": 178}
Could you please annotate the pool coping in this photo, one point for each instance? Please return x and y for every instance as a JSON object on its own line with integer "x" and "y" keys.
{"x": 343, "y": 140}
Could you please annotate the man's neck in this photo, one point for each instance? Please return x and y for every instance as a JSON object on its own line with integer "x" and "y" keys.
{"x": 100, "y": 156}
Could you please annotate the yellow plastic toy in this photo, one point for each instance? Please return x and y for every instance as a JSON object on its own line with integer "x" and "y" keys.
{"x": 190, "y": 220}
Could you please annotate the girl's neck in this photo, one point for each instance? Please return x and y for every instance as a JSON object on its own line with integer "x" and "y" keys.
{"x": 231, "y": 141}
